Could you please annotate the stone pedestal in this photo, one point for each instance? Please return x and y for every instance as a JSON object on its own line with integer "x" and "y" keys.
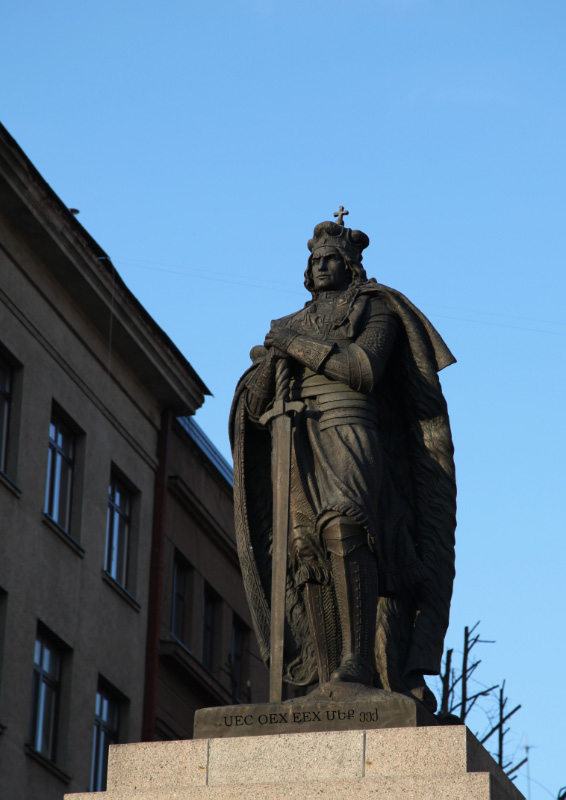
{"x": 314, "y": 714}
{"x": 427, "y": 763}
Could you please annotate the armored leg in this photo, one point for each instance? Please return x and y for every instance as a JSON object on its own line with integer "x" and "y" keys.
{"x": 354, "y": 575}
{"x": 320, "y": 603}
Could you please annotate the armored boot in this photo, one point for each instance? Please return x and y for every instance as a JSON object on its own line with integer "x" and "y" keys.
{"x": 354, "y": 574}
{"x": 320, "y": 602}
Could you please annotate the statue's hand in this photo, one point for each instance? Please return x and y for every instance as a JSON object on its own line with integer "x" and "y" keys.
{"x": 280, "y": 340}
{"x": 260, "y": 353}
{"x": 270, "y": 339}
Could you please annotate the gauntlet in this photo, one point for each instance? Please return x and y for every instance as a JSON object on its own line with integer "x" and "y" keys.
{"x": 310, "y": 352}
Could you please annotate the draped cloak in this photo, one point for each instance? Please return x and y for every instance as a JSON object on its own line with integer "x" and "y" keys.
{"x": 416, "y": 501}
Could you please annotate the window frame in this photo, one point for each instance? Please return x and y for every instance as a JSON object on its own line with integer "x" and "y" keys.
{"x": 104, "y": 734}
{"x": 211, "y": 624}
{"x": 42, "y": 681}
{"x": 6, "y": 401}
{"x": 115, "y": 513}
{"x": 10, "y": 419}
{"x": 58, "y": 459}
{"x": 3, "y": 618}
{"x": 181, "y": 596}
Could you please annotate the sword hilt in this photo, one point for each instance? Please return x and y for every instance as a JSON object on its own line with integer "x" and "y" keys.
{"x": 282, "y": 406}
{"x": 282, "y": 378}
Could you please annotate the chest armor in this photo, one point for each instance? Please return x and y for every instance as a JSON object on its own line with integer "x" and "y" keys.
{"x": 328, "y": 401}
{"x": 325, "y": 319}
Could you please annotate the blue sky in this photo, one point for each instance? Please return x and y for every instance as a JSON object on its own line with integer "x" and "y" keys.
{"x": 203, "y": 141}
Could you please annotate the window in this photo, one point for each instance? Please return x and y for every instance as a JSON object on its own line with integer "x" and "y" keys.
{"x": 210, "y": 625}
{"x": 239, "y": 635}
{"x": 106, "y": 721}
{"x": 10, "y": 417}
{"x": 118, "y": 530}
{"x": 5, "y": 399}
{"x": 60, "y": 466}
{"x": 180, "y": 607}
{"x": 45, "y": 696}
{"x": 3, "y": 611}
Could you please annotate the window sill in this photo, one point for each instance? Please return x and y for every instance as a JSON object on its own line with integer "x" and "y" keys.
{"x": 9, "y": 484}
{"x": 45, "y": 762}
{"x": 124, "y": 593}
{"x": 64, "y": 536}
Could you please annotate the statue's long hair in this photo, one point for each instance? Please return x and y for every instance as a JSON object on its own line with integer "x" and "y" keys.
{"x": 355, "y": 273}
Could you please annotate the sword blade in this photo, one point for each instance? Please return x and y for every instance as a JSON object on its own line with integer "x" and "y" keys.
{"x": 281, "y": 479}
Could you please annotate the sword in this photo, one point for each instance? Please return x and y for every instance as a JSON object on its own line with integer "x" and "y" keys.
{"x": 279, "y": 419}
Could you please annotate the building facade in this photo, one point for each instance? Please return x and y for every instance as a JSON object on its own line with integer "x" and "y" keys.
{"x": 207, "y": 652}
{"x": 121, "y": 605}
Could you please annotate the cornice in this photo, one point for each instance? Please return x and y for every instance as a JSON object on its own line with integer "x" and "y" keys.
{"x": 86, "y": 272}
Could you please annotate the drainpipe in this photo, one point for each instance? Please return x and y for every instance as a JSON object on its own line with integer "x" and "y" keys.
{"x": 155, "y": 600}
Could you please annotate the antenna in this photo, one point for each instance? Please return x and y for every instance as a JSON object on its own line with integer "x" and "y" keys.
{"x": 527, "y": 748}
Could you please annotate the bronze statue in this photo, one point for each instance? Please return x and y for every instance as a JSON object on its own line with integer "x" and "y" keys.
{"x": 346, "y": 392}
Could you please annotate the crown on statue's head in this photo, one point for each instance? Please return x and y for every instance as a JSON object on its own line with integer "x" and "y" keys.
{"x": 347, "y": 241}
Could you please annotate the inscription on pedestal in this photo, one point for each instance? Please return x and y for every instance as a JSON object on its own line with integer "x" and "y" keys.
{"x": 302, "y": 717}
{"x": 265, "y": 719}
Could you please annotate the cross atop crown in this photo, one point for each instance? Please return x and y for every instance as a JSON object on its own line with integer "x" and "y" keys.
{"x": 340, "y": 213}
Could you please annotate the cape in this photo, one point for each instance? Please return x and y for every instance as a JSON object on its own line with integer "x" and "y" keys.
{"x": 419, "y": 502}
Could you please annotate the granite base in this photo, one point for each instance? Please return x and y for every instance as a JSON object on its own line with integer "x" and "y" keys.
{"x": 423, "y": 763}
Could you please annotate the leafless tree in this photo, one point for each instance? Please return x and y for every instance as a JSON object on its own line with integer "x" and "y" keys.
{"x": 457, "y": 700}
{"x": 456, "y": 684}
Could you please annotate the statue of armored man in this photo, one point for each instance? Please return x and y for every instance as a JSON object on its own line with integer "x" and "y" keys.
{"x": 344, "y": 486}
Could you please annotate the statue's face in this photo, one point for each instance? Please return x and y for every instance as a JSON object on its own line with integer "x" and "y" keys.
{"x": 328, "y": 271}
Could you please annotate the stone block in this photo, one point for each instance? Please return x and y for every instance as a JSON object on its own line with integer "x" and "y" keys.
{"x": 426, "y": 751}
{"x": 157, "y": 765}
{"x": 435, "y": 763}
{"x": 286, "y": 758}
{"x": 478, "y": 786}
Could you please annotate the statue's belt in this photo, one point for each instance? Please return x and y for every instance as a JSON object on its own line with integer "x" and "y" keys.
{"x": 333, "y": 403}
